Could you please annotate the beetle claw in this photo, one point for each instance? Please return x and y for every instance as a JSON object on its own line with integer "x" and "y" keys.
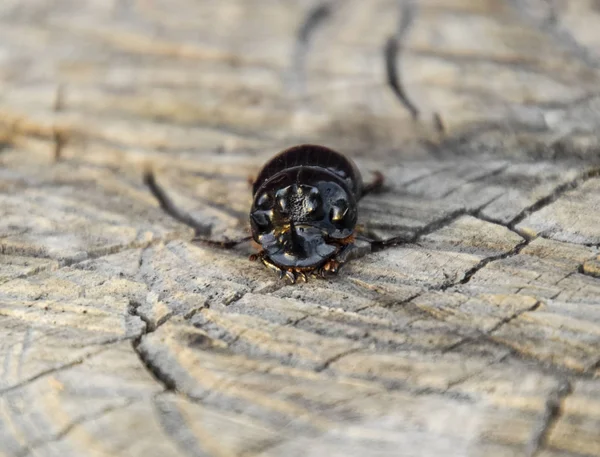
{"x": 302, "y": 276}
{"x": 291, "y": 276}
{"x": 270, "y": 266}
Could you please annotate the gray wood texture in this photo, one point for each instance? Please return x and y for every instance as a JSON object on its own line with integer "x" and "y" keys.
{"x": 479, "y": 336}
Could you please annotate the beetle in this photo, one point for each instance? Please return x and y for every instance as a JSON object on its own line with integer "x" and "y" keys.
{"x": 304, "y": 211}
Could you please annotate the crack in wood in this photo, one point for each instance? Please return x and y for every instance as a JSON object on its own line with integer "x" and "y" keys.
{"x": 392, "y": 51}
{"x": 35, "y": 445}
{"x": 554, "y": 195}
{"x": 153, "y": 369}
{"x": 479, "y": 215}
{"x": 59, "y": 137}
{"x": 112, "y": 250}
{"x": 50, "y": 371}
{"x": 473, "y": 374}
{"x": 74, "y": 262}
{"x": 477, "y": 179}
{"x": 171, "y": 209}
{"x": 483, "y": 263}
{"x": 420, "y": 178}
{"x": 157, "y": 373}
{"x": 325, "y": 365}
{"x": 593, "y": 367}
{"x": 229, "y": 79}
{"x": 485, "y": 335}
{"x": 403, "y": 239}
{"x": 552, "y": 413}
{"x": 512, "y": 317}
{"x": 314, "y": 19}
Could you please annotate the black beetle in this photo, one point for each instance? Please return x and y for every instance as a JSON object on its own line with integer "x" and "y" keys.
{"x": 304, "y": 210}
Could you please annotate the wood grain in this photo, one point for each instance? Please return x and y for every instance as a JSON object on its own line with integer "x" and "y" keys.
{"x": 479, "y": 335}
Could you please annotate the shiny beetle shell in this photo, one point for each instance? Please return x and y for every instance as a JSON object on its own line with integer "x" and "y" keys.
{"x": 304, "y": 207}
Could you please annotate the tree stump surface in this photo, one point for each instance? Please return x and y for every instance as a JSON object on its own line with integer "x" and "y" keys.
{"x": 479, "y": 336}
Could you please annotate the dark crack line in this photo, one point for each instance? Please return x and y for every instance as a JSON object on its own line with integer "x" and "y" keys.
{"x": 418, "y": 179}
{"x": 485, "y": 335}
{"x": 403, "y": 239}
{"x": 438, "y": 123}
{"x": 475, "y": 180}
{"x": 554, "y": 195}
{"x": 295, "y": 322}
{"x": 175, "y": 426}
{"x": 104, "y": 252}
{"x": 553, "y": 410}
{"x": 315, "y": 18}
{"x": 478, "y": 215}
{"x": 470, "y": 273}
{"x": 75, "y": 263}
{"x": 34, "y": 271}
{"x": 59, "y": 137}
{"x": 171, "y": 209}
{"x": 437, "y": 224}
{"x": 542, "y": 366}
{"x": 133, "y": 310}
{"x": 593, "y": 367}
{"x": 393, "y": 50}
{"x": 335, "y": 358}
{"x": 33, "y": 447}
{"x": 48, "y": 372}
{"x": 587, "y": 245}
{"x": 60, "y": 140}
{"x": 476, "y": 373}
{"x": 512, "y": 317}
{"x": 155, "y": 371}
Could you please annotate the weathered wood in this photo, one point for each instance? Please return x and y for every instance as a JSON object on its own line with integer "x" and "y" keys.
{"x": 479, "y": 336}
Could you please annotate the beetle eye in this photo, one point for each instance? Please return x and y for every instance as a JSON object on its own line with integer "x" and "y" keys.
{"x": 264, "y": 202}
{"x": 313, "y": 201}
{"x": 338, "y": 211}
{"x": 262, "y": 219}
{"x": 282, "y": 199}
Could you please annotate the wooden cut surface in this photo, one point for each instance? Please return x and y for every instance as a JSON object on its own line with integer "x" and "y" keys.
{"x": 479, "y": 336}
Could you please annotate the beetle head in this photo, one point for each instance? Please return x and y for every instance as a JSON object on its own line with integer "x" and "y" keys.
{"x": 301, "y": 225}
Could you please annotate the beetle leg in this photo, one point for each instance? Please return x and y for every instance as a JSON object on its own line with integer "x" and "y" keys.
{"x": 291, "y": 276}
{"x": 274, "y": 268}
{"x": 332, "y": 266}
{"x": 267, "y": 263}
{"x": 302, "y": 276}
{"x": 374, "y": 185}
